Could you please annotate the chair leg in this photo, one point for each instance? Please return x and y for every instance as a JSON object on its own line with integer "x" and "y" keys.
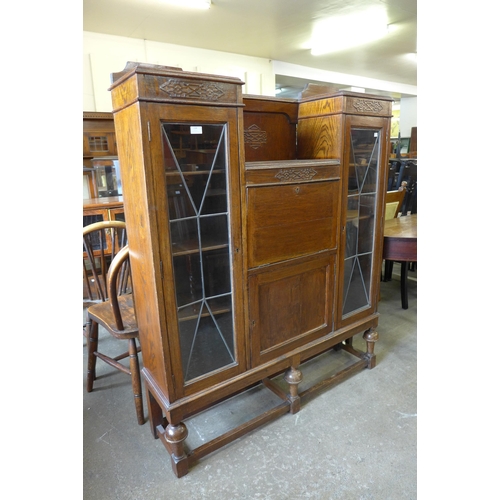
{"x": 404, "y": 285}
{"x": 92, "y": 343}
{"x": 136, "y": 380}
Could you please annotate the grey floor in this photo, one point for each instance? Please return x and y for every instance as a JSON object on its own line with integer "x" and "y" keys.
{"x": 356, "y": 440}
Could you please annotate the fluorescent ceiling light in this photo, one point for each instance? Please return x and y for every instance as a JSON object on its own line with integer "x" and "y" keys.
{"x": 342, "y": 32}
{"x": 191, "y": 4}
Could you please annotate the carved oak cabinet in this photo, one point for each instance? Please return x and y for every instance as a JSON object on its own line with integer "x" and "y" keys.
{"x": 255, "y": 230}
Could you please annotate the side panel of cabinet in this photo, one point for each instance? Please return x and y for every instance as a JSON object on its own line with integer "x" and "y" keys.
{"x": 143, "y": 217}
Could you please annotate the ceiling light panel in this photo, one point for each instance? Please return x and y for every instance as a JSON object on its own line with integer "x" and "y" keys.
{"x": 190, "y": 4}
{"x": 342, "y": 32}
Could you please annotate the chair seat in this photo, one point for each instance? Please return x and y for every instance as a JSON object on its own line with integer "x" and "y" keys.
{"x": 102, "y": 313}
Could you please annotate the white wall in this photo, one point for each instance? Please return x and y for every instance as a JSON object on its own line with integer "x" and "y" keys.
{"x": 106, "y": 54}
{"x": 408, "y": 115}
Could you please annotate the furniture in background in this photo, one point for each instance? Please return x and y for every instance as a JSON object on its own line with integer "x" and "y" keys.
{"x": 408, "y": 173}
{"x": 400, "y": 245}
{"x": 117, "y": 316}
{"x": 103, "y": 209}
{"x": 413, "y": 143}
{"x": 107, "y": 176}
{"x": 99, "y": 140}
{"x": 101, "y": 242}
{"x": 394, "y": 202}
{"x": 256, "y": 228}
{"x": 393, "y": 174}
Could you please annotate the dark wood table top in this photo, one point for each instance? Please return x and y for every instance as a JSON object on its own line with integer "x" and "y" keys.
{"x": 400, "y": 239}
{"x": 401, "y": 227}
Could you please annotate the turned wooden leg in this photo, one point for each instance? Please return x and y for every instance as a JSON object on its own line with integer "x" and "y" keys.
{"x": 175, "y": 436}
{"x": 136, "y": 380}
{"x": 370, "y": 336}
{"x": 92, "y": 342}
{"x": 293, "y": 377}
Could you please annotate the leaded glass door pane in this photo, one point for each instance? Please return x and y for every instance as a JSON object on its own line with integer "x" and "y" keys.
{"x": 196, "y": 176}
{"x": 361, "y": 207}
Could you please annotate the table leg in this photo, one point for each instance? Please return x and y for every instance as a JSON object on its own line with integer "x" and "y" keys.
{"x": 404, "y": 285}
{"x": 388, "y": 270}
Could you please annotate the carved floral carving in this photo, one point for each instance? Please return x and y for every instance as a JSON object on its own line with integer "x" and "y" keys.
{"x": 255, "y": 137}
{"x": 180, "y": 89}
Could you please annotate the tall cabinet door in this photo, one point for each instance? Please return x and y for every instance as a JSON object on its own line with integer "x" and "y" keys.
{"x": 365, "y": 149}
{"x": 200, "y": 242}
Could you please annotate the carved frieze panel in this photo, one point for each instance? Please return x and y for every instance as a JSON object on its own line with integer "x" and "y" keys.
{"x": 296, "y": 174}
{"x": 365, "y": 105}
{"x": 255, "y": 137}
{"x": 180, "y": 89}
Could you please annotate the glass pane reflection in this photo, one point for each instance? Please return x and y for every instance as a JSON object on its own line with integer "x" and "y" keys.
{"x": 196, "y": 176}
{"x": 361, "y": 206}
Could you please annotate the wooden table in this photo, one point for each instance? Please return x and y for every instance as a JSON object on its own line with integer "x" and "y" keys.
{"x": 400, "y": 245}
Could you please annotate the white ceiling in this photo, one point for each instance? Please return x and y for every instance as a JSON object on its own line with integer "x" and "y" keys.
{"x": 273, "y": 29}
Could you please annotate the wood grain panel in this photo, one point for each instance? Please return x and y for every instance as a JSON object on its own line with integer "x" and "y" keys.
{"x": 290, "y": 306}
{"x": 319, "y": 137}
{"x": 291, "y": 220}
{"x": 268, "y": 136}
{"x": 290, "y": 172}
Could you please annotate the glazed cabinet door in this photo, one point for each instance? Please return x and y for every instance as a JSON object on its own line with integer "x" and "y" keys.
{"x": 364, "y": 170}
{"x": 201, "y": 239}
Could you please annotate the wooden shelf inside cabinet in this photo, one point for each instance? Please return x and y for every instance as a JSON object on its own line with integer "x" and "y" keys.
{"x": 193, "y": 312}
{"x": 190, "y": 173}
{"x": 191, "y": 247}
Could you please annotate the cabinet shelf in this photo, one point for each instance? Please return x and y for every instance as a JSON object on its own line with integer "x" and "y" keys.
{"x": 191, "y": 248}
{"x": 192, "y": 172}
{"x": 190, "y": 313}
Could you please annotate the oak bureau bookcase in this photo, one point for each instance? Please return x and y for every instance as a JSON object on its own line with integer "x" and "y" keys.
{"x": 255, "y": 231}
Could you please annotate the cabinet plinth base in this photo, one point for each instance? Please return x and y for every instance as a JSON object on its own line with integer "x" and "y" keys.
{"x": 173, "y": 436}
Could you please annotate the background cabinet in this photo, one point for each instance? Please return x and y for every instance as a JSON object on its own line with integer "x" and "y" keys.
{"x": 99, "y": 141}
{"x": 255, "y": 228}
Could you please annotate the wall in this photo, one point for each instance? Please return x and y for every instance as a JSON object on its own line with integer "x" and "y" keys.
{"x": 407, "y": 115}
{"x": 106, "y": 54}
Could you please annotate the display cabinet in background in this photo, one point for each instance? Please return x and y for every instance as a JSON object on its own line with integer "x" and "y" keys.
{"x": 99, "y": 143}
{"x": 255, "y": 233}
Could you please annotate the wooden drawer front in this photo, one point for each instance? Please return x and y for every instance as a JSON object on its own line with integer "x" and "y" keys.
{"x": 290, "y": 221}
{"x": 260, "y": 173}
{"x": 290, "y": 305}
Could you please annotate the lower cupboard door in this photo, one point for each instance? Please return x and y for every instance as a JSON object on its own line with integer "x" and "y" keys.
{"x": 290, "y": 305}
